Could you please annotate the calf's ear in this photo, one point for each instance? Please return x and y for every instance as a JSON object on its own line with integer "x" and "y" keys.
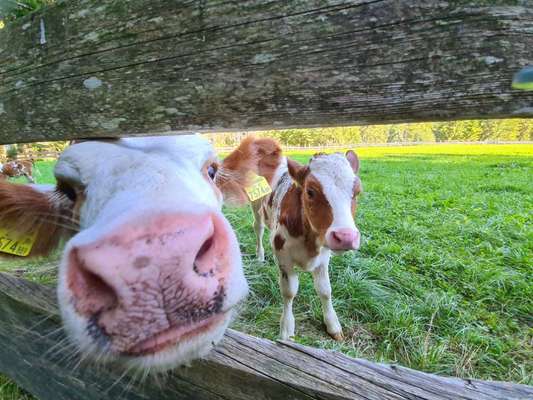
{"x": 353, "y": 160}
{"x": 297, "y": 171}
{"x": 38, "y": 211}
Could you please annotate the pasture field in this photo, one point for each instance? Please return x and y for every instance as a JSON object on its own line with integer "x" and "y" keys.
{"x": 443, "y": 281}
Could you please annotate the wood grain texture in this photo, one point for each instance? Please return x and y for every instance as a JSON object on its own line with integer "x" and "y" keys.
{"x": 35, "y": 353}
{"x": 100, "y": 68}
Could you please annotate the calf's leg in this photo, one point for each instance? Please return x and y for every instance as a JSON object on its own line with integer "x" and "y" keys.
{"x": 259, "y": 228}
{"x": 288, "y": 282}
{"x": 29, "y": 178}
{"x": 323, "y": 289}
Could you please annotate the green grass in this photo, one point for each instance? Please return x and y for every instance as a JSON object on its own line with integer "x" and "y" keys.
{"x": 442, "y": 282}
{"x": 10, "y": 391}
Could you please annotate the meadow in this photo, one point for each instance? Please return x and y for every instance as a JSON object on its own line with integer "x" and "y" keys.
{"x": 442, "y": 282}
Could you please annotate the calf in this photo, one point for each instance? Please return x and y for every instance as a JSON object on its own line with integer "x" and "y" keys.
{"x": 310, "y": 213}
{"x": 13, "y": 169}
{"x": 152, "y": 271}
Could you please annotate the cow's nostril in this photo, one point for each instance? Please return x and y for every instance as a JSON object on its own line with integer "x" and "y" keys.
{"x": 205, "y": 247}
{"x": 336, "y": 237}
{"x": 203, "y": 264}
{"x": 92, "y": 294}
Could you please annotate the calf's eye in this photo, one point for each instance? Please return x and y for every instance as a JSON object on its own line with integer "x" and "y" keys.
{"x": 310, "y": 193}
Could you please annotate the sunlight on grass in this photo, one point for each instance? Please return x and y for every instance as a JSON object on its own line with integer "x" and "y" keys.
{"x": 10, "y": 391}
{"x": 441, "y": 149}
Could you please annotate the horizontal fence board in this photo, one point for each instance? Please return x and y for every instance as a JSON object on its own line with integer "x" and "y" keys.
{"x": 35, "y": 353}
{"x": 101, "y": 68}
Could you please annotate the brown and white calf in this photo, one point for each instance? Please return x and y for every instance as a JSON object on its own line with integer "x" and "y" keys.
{"x": 310, "y": 213}
{"x": 14, "y": 169}
{"x": 152, "y": 270}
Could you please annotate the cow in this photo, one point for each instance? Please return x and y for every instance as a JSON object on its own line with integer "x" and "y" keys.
{"x": 13, "y": 169}
{"x": 151, "y": 271}
{"x": 310, "y": 214}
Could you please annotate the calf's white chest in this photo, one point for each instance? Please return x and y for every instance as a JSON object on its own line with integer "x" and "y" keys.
{"x": 295, "y": 253}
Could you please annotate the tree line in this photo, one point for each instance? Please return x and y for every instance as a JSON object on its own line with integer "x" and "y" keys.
{"x": 467, "y": 131}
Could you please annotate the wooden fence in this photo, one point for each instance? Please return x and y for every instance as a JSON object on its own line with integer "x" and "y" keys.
{"x": 104, "y": 68}
{"x": 241, "y": 367}
{"x": 97, "y": 68}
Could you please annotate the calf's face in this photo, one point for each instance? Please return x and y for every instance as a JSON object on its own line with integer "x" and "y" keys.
{"x": 329, "y": 191}
{"x": 155, "y": 271}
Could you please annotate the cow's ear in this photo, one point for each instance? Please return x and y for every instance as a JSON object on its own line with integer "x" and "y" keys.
{"x": 38, "y": 212}
{"x": 353, "y": 160}
{"x": 297, "y": 171}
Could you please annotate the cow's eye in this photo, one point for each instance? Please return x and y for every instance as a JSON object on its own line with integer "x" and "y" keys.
{"x": 66, "y": 189}
{"x": 212, "y": 171}
{"x": 310, "y": 193}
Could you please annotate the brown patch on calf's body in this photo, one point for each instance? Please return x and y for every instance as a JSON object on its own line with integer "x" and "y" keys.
{"x": 317, "y": 209}
{"x": 278, "y": 242}
{"x": 296, "y": 219}
{"x": 310, "y": 243}
{"x": 291, "y": 212}
{"x": 305, "y": 216}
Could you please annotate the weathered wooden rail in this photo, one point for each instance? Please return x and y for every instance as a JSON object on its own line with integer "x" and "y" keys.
{"x": 89, "y": 68}
{"x": 35, "y": 354}
{"x": 101, "y": 68}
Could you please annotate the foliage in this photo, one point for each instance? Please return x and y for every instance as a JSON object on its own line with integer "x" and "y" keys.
{"x": 12, "y": 152}
{"x": 34, "y": 150}
{"x": 468, "y": 130}
{"x": 12, "y": 9}
{"x": 442, "y": 282}
{"x": 43, "y": 147}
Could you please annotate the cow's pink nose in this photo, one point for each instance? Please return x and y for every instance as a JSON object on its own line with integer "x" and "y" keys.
{"x": 343, "y": 239}
{"x": 149, "y": 265}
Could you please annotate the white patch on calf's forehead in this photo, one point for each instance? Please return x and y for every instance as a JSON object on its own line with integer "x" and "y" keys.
{"x": 333, "y": 170}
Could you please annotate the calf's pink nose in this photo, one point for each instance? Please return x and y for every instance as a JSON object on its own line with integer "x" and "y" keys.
{"x": 153, "y": 257}
{"x": 343, "y": 239}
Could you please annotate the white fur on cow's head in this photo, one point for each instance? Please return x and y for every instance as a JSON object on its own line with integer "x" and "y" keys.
{"x": 134, "y": 173}
{"x": 126, "y": 180}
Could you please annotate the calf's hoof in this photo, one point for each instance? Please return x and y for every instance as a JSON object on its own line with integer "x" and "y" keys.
{"x": 286, "y": 334}
{"x": 338, "y": 337}
{"x": 287, "y": 337}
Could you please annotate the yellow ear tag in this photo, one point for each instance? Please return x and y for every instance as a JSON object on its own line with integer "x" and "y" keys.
{"x": 12, "y": 242}
{"x": 258, "y": 188}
